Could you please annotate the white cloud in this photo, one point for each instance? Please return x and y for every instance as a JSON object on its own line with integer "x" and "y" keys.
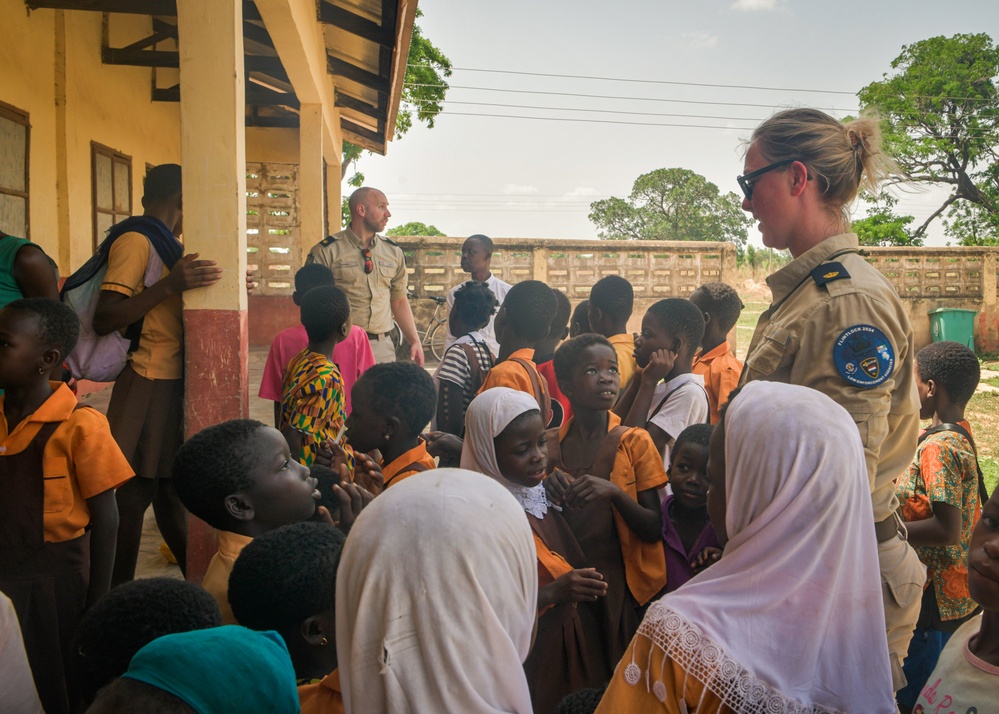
{"x": 518, "y": 190}
{"x": 701, "y": 40}
{"x": 581, "y": 191}
{"x": 754, "y": 5}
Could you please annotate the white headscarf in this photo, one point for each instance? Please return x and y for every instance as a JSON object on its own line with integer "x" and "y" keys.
{"x": 793, "y": 611}
{"x": 486, "y": 417}
{"x": 437, "y": 598}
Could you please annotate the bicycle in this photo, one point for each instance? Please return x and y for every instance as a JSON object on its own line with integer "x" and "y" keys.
{"x": 433, "y": 337}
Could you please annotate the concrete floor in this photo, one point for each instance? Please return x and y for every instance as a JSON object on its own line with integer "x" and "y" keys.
{"x": 151, "y": 563}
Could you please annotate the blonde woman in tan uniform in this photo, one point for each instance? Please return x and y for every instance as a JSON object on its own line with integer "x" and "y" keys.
{"x": 836, "y": 324}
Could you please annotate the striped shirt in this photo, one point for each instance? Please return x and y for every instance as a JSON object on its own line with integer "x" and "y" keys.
{"x": 456, "y": 369}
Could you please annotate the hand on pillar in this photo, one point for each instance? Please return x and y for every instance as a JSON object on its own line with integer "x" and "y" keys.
{"x": 251, "y": 282}
{"x": 189, "y": 273}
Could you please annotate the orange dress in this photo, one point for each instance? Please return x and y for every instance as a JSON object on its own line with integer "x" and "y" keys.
{"x": 414, "y": 461}
{"x": 519, "y": 372}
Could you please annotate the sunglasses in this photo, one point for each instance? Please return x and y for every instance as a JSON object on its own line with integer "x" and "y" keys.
{"x": 746, "y": 182}
{"x": 368, "y": 263}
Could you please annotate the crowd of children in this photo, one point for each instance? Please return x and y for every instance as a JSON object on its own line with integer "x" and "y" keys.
{"x": 610, "y": 444}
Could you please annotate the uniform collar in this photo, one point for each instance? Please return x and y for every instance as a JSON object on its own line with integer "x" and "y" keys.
{"x": 784, "y": 281}
{"x": 355, "y": 240}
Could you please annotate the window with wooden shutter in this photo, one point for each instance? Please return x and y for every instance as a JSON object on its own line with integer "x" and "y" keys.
{"x": 14, "y": 142}
{"x": 111, "y": 173}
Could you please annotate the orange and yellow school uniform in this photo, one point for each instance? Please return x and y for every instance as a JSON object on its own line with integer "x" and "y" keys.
{"x": 51, "y": 462}
{"x": 414, "y": 461}
{"x": 322, "y": 696}
{"x": 216, "y": 580}
{"x": 624, "y": 346}
{"x": 519, "y": 372}
{"x": 721, "y": 372}
{"x": 635, "y": 570}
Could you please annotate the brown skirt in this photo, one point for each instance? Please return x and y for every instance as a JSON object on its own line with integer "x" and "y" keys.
{"x": 146, "y": 418}
{"x": 561, "y": 662}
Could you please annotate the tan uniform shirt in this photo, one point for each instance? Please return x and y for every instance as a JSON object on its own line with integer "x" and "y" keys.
{"x": 370, "y": 294}
{"x": 796, "y": 342}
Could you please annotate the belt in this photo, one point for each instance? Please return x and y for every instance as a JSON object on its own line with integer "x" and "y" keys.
{"x": 377, "y": 335}
{"x": 889, "y": 528}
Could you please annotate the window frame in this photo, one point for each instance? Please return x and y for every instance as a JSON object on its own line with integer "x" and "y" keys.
{"x": 19, "y": 116}
{"x": 96, "y": 150}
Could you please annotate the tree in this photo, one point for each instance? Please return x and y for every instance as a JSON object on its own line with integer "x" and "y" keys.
{"x": 423, "y": 92}
{"x": 672, "y": 204}
{"x": 414, "y": 228}
{"x": 940, "y": 111}
{"x": 882, "y": 227}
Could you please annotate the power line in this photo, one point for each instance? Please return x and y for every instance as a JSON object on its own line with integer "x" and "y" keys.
{"x": 598, "y": 121}
{"x": 604, "y": 96}
{"x": 636, "y": 81}
{"x": 684, "y": 84}
{"x": 598, "y": 111}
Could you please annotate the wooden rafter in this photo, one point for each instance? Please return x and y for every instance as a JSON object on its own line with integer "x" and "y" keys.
{"x": 350, "y": 102}
{"x": 344, "y": 19}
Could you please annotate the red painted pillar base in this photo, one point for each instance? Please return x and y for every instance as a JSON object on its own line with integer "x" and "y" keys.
{"x": 216, "y": 389}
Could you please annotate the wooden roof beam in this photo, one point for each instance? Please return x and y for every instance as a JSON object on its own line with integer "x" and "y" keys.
{"x": 342, "y": 18}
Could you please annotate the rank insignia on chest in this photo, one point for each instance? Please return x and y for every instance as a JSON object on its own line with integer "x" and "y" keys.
{"x": 827, "y": 272}
{"x": 864, "y": 356}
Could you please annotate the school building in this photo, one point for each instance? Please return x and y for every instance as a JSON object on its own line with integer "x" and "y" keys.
{"x": 94, "y": 92}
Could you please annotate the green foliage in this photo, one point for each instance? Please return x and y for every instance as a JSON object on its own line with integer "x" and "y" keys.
{"x": 414, "y": 228}
{"x": 769, "y": 258}
{"x": 940, "y": 111}
{"x": 672, "y": 204}
{"x": 884, "y": 228}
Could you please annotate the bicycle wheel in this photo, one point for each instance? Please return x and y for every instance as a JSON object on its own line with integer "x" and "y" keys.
{"x": 401, "y": 346}
{"x": 436, "y": 339}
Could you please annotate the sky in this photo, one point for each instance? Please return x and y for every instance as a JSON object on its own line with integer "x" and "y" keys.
{"x": 647, "y": 102}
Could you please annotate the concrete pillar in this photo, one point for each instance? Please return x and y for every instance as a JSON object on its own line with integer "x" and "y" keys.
{"x": 311, "y": 188}
{"x": 213, "y": 155}
{"x": 333, "y": 198}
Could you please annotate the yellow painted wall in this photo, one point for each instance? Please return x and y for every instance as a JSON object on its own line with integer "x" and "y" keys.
{"x": 108, "y": 104}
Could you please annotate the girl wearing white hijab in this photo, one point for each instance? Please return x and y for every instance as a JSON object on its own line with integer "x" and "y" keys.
{"x": 505, "y": 439}
{"x": 790, "y": 619}
{"x": 436, "y": 599}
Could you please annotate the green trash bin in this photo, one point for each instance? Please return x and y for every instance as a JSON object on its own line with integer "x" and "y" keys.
{"x": 953, "y": 325}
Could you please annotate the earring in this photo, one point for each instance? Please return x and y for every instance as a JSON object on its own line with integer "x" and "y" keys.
{"x": 41, "y": 370}
{"x": 323, "y": 642}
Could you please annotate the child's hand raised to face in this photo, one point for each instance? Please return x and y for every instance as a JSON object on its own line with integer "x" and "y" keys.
{"x": 705, "y": 558}
{"x": 368, "y": 474}
{"x": 660, "y": 364}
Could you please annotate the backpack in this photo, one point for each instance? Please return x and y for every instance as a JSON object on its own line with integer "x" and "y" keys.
{"x": 983, "y": 492}
{"x": 102, "y": 358}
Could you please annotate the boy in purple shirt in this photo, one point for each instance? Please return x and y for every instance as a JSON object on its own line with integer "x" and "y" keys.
{"x": 688, "y": 537}
{"x": 353, "y": 356}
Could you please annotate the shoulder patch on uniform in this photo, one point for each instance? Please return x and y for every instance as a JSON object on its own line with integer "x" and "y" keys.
{"x": 863, "y": 356}
{"x": 827, "y": 272}
{"x": 327, "y": 240}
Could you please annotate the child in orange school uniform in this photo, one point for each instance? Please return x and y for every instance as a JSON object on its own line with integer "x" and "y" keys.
{"x": 544, "y": 355}
{"x": 606, "y": 477}
{"x": 393, "y": 404}
{"x": 521, "y": 323}
{"x": 59, "y": 467}
{"x": 612, "y": 299}
{"x": 720, "y": 306}
{"x": 285, "y": 580}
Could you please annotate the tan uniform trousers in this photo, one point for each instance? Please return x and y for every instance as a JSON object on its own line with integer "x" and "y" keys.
{"x": 902, "y": 578}
{"x": 382, "y": 348}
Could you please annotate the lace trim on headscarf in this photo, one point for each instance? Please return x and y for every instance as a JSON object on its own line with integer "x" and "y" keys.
{"x": 706, "y": 661}
{"x": 533, "y": 499}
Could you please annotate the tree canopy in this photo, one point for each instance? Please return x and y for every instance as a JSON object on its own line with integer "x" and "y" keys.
{"x": 672, "y": 204}
{"x": 940, "y": 111}
{"x": 414, "y": 228}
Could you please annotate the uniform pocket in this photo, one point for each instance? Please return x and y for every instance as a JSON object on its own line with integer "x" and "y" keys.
{"x": 904, "y": 577}
{"x": 58, "y": 492}
{"x": 769, "y": 354}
